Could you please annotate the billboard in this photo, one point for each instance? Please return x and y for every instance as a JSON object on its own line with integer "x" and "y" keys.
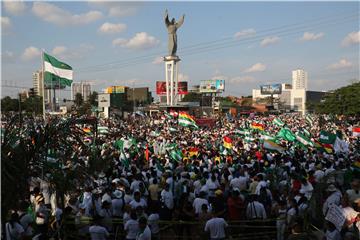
{"x": 161, "y": 88}
{"x": 115, "y": 89}
{"x": 270, "y": 89}
{"x": 212, "y": 86}
{"x": 54, "y": 85}
{"x": 182, "y": 88}
{"x": 103, "y": 100}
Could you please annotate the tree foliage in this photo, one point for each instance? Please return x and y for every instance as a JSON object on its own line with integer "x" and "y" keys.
{"x": 344, "y": 101}
{"x": 93, "y": 99}
{"x": 79, "y": 100}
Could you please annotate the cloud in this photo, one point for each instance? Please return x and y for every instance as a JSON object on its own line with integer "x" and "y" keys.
{"x": 116, "y": 9}
{"x": 140, "y": 41}
{"x": 5, "y": 23}
{"x": 65, "y": 53}
{"x": 241, "y": 79}
{"x": 245, "y": 33}
{"x": 58, "y": 16}
{"x": 308, "y": 36}
{"x": 257, "y": 67}
{"x": 31, "y": 53}
{"x": 14, "y": 7}
{"x": 158, "y": 60}
{"x": 343, "y": 63}
{"x": 269, "y": 40}
{"x": 109, "y": 28}
{"x": 351, "y": 38}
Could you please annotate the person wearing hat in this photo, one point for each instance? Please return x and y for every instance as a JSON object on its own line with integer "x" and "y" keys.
{"x": 333, "y": 198}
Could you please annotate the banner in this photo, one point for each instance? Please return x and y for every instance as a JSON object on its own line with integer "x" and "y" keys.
{"x": 212, "y": 86}
{"x": 161, "y": 88}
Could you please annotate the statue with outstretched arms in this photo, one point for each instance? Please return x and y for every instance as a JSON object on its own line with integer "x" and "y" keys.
{"x": 172, "y": 27}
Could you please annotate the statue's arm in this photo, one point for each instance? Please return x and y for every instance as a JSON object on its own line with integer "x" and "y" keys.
{"x": 180, "y": 22}
{"x": 167, "y": 22}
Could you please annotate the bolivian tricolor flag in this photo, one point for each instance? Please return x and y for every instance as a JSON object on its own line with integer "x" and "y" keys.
{"x": 227, "y": 142}
{"x": 257, "y": 126}
{"x": 186, "y": 120}
{"x": 356, "y": 131}
{"x": 193, "y": 151}
{"x": 87, "y": 130}
{"x": 323, "y": 147}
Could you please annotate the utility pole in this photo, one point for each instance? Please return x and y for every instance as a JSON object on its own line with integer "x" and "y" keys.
{"x": 20, "y": 110}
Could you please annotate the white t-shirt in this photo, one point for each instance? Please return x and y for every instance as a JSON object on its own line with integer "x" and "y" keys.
{"x": 168, "y": 199}
{"x": 216, "y": 226}
{"x": 132, "y": 228}
{"x": 13, "y": 232}
{"x": 117, "y": 205}
{"x": 239, "y": 182}
{"x": 198, "y": 202}
{"x": 134, "y": 204}
{"x": 98, "y": 233}
{"x": 145, "y": 235}
{"x": 153, "y": 222}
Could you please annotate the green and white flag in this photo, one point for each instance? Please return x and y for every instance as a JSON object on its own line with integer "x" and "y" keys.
{"x": 327, "y": 137}
{"x": 306, "y": 132}
{"x": 103, "y": 130}
{"x": 286, "y": 134}
{"x": 278, "y": 122}
{"x": 309, "y": 120}
{"x": 267, "y": 136}
{"x": 56, "y": 72}
{"x": 302, "y": 139}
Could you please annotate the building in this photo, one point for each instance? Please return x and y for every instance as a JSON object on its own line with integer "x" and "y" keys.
{"x": 293, "y": 96}
{"x": 38, "y": 86}
{"x": 299, "y": 79}
{"x": 80, "y": 87}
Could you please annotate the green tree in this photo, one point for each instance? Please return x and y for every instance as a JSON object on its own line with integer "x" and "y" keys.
{"x": 345, "y": 101}
{"x": 192, "y": 97}
{"x": 93, "y": 99}
{"x": 33, "y": 105}
{"x": 78, "y": 99}
{"x": 9, "y": 104}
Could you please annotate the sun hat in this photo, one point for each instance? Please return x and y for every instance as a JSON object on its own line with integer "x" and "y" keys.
{"x": 118, "y": 194}
{"x": 331, "y": 188}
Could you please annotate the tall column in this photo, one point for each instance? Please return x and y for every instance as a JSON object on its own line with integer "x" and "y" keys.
{"x": 171, "y": 74}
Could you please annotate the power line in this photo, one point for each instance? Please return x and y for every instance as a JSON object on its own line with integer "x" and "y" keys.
{"x": 218, "y": 44}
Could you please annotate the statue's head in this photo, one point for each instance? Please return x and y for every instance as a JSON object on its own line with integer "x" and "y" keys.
{"x": 173, "y": 21}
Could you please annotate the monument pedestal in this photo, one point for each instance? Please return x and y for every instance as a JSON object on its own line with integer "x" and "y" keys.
{"x": 171, "y": 74}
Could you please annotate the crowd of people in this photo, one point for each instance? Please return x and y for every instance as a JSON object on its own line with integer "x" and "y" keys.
{"x": 159, "y": 180}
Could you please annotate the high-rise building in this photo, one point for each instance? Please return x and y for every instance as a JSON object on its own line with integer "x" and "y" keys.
{"x": 80, "y": 87}
{"x": 38, "y": 86}
{"x": 299, "y": 79}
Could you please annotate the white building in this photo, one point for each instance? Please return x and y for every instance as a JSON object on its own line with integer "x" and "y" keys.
{"x": 38, "y": 86}
{"x": 80, "y": 87}
{"x": 299, "y": 79}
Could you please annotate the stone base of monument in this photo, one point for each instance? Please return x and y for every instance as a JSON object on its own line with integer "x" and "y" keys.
{"x": 171, "y": 75}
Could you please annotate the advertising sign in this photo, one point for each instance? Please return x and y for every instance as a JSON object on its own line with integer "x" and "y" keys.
{"x": 161, "y": 88}
{"x": 115, "y": 89}
{"x": 270, "y": 89}
{"x": 212, "y": 86}
{"x": 182, "y": 88}
{"x": 104, "y": 100}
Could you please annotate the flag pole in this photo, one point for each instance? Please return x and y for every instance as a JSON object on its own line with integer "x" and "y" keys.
{"x": 43, "y": 82}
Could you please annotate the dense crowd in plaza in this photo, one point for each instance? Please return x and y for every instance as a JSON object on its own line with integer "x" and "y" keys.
{"x": 260, "y": 177}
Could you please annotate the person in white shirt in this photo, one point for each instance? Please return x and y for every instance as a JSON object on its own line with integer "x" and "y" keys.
{"x": 118, "y": 203}
{"x": 144, "y": 230}
{"x": 334, "y": 198}
{"x": 138, "y": 201}
{"x": 255, "y": 209}
{"x": 13, "y": 228}
{"x": 153, "y": 221}
{"x": 216, "y": 227}
{"x": 306, "y": 188}
{"x": 240, "y": 182}
{"x": 131, "y": 227}
{"x": 199, "y": 201}
{"x": 167, "y": 203}
{"x": 98, "y": 232}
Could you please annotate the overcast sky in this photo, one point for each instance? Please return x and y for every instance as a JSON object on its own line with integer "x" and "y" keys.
{"x": 121, "y": 43}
